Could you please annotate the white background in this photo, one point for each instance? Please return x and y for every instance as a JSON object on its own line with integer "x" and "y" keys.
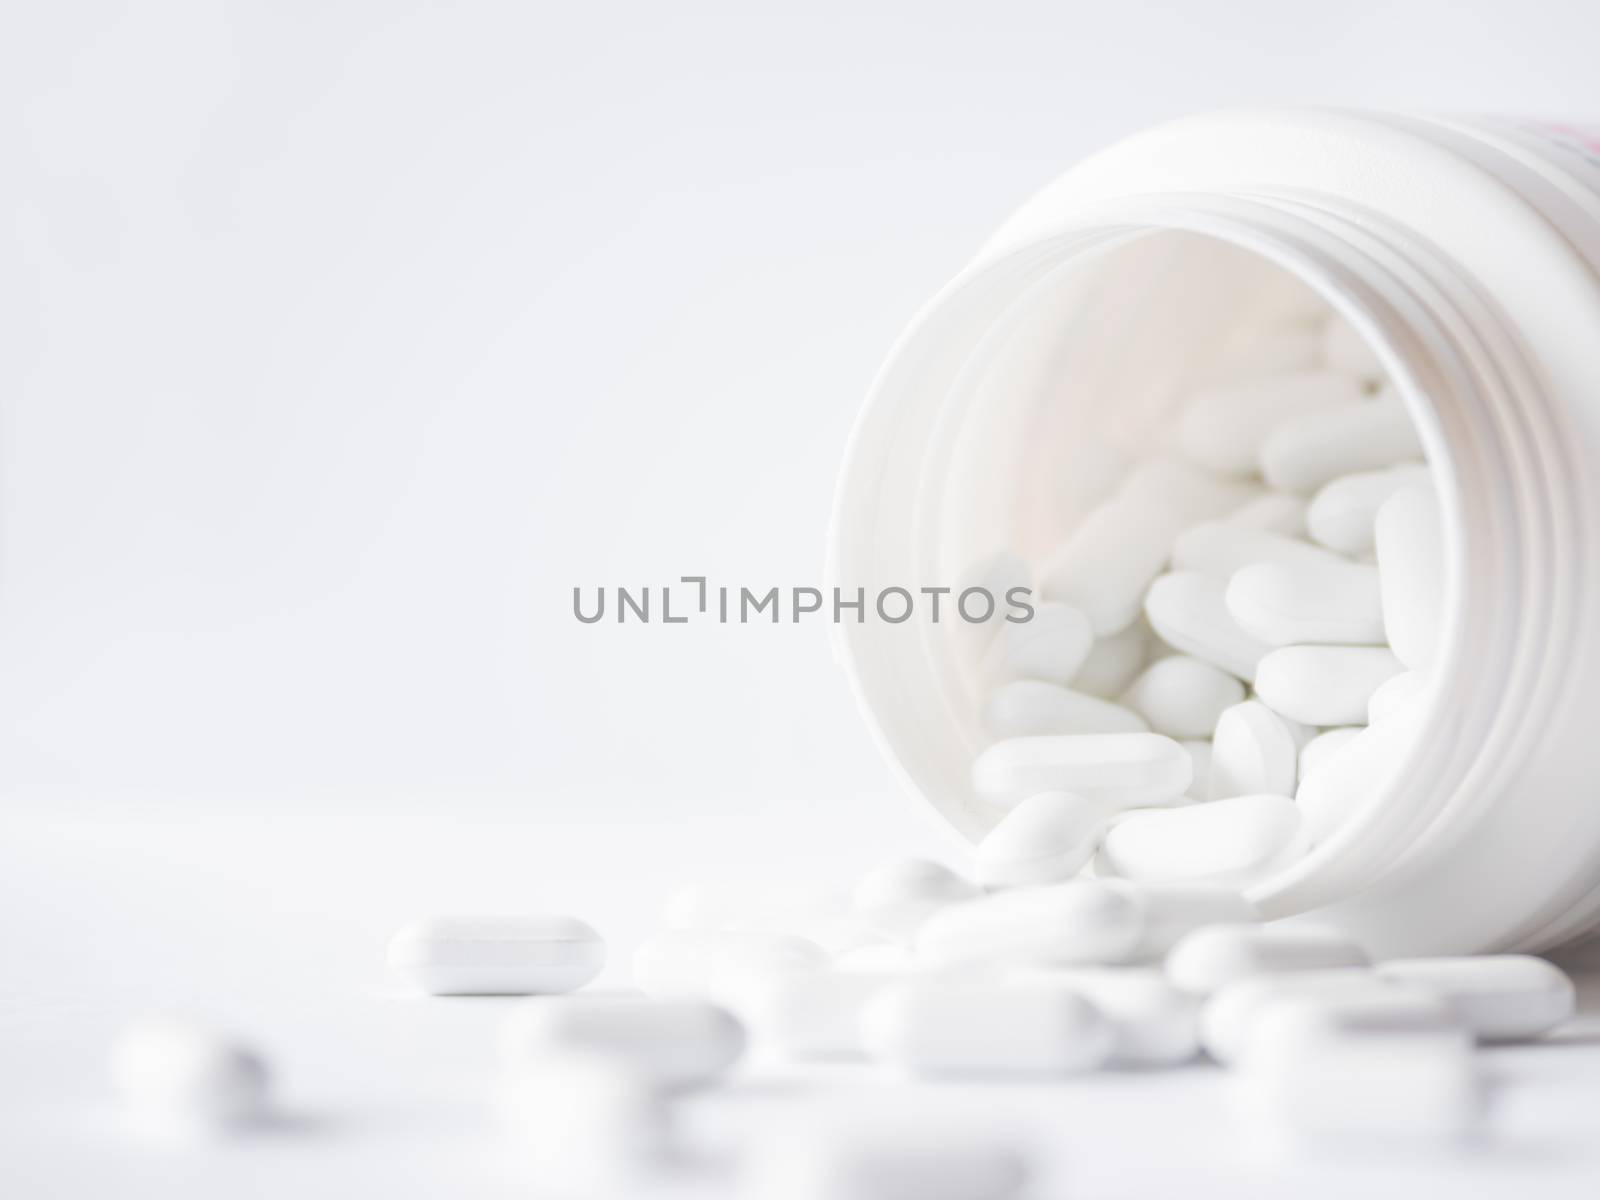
{"x": 341, "y": 341}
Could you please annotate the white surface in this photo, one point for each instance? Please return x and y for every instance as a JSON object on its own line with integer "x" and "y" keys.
{"x": 387, "y": 1093}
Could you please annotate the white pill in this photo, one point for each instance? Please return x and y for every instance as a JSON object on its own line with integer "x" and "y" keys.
{"x": 1181, "y": 696}
{"x": 1051, "y": 646}
{"x": 1112, "y": 663}
{"x": 1409, "y": 537}
{"x": 1217, "y": 955}
{"x": 985, "y": 1028}
{"x": 1187, "y": 609}
{"x": 1045, "y": 839}
{"x": 1170, "y": 911}
{"x": 179, "y": 1078}
{"x": 895, "y": 897}
{"x": 1342, "y": 513}
{"x": 1081, "y": 921}
{"x": 1183, "y": 491}
{"x": 1330, "y": 605}
{"x": 1337, "y": 788}
{"x": 866, "y": 1157}
{"x": 1226, "y": 841}
{"x": 1253, "y": 752}
{"x": 1359, "y": 1075}
{"x": 1395, "y": 695}
{"x": 1345, "y": 350}
{"x": 1321, "y": 749}
{"x": 1107, "y": 562}
{"x": 1155, "y": 1023}
{"x": 1273, "y": 512}
{"x": 674, "y": 1043}
{"x": 1232, "y": 1015}
{"x": 1223, "y": 427}
{"x": 1124, "y": 769}
{"x": 1032, "y": 708}
{"x": 1199, "y": 753}
{"x": 813, "y": 1016}
{"x": 586, "y": 1124}
{"x": 1505, "y": 997}
{"x": 1324, "y": 685}
{"x": 497, "y": 956}
{"x": 1219, "y": 548}
{"x": 1305, "y": 454}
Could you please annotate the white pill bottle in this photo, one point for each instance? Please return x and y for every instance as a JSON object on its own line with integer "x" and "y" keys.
{"x": 1467, "y": 252}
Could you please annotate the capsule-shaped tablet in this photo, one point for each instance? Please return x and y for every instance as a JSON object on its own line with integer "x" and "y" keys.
{"x": 1052, "y": 645}
{"x": 1223, "y": 427}
{"x": 1181, "y": 696}
{"x": 1107, "y": 562}
{"x": 941, "y": 1028}
{"x": 1187, "y": 609}
{"x": 1113, "y": 661}
{"x": 1220, "y": 548}
{"x": 181, "y": 1079}
{"x": 1500, "y": 998}
{"x": 1232, "y": 1015}
{"x": 1170, "y": 911}
{"x": 1331, "y": 605}
{"x": 1337, "y": 788}
{"x": 1081, "y": 921}
{"x": 675, "y": 1043}
{"x": 895, "y": 897}
{"x": 1272, "y": 512}
{"x": 1155, "y": 1023}
{"x": 1031, "y": 708}
{"x": 1324, "y": 685}
{"x": 1304, "y": 454}
{"x": 1343, "y": 349}
{"x": 1045, "y": 839}
{"x": 1217, "y": 955}
{"x": 505, "y": 956}
{"x": 1253, "y": 752}
{"x": 1409, "y": 538}
{"x": 1322, "y": 748}
{"x": 1342, "y": 514}
{"x": 1226, "y": 841}
{"x": 1359, "y": 1075}
{"x": 1121, "y": 769}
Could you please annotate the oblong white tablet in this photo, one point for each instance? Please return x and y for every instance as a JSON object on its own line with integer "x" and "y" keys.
{"x": 1187, "y": 609}
{"x": 675, "y": 1043}
{"x": 1226, "y": 841}
{"x": 1324, "y": 685}
{"x": 497, "y": 956}
{"x": 1335, "y": 789}
{"x": 985, "y": 1028}
{"x": 1254, "y": 751}
{"x": 1302, "y": 455}
{"x": 1217, "y": 955}
{"x": 1501, "y": 997}
{"x": 1329, "y": 605}
{"x": 1077, "y": 922}
{"x": 1234, "y": 1013}
{"x": 1409, "y": 538}
{"x": 1181, "y": 696}
{"x": 1322, "y": 749}
{"x": 1047, "y": 838}
{"x": 1033, "y": 708}
{"x": 1342, "y": 514}
{"x": 1123, "y": 769}
{"x": 1223, "y": 427}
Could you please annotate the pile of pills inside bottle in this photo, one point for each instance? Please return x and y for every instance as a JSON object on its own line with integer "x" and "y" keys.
{"x": 1225, "y": 651}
